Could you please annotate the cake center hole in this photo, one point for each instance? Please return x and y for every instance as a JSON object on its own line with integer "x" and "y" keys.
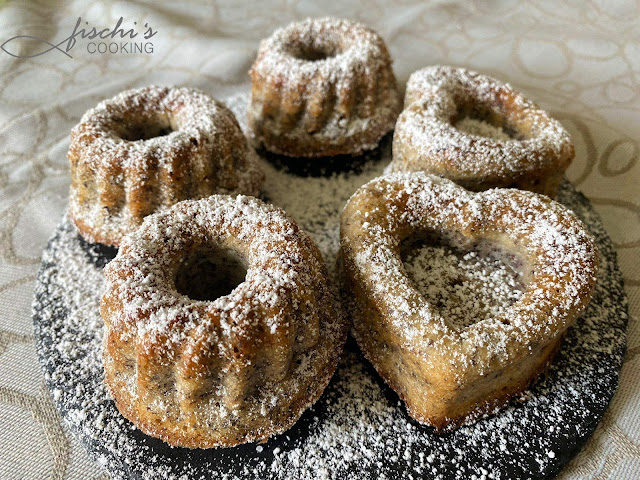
{"x": 464, "y": 284}
{"x": 314, "y": 53}
{"x": 146, "y": 129}
{"x": 208, "y": 274}
{"x": 485, "y": 121}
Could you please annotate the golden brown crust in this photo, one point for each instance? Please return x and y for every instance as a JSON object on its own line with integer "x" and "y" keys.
{"x": 200, "y": 438}
{"x": 449, "y": 415}
{"x": 447, "y": 376}
{"x": 322, "y": 87}
{"x": 236, "y": 369}
{"x": 146, "y": 149}
{"x": 428, "y": 136}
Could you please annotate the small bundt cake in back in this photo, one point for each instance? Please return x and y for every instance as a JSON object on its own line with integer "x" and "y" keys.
{"x": 148, "y": 148}
{"x": 221, "y": 323}
{"x": 322, "y": 87}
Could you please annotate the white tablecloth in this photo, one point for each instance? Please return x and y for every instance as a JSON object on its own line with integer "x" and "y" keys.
{"x": 580, "y": 61}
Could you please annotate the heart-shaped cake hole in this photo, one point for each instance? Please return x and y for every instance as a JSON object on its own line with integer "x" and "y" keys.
{"x": 448, "y": 371}
{"x": 464, "y": 283}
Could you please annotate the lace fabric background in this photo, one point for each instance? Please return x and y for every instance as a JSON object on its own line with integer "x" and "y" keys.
{"x": 579, "y": 60}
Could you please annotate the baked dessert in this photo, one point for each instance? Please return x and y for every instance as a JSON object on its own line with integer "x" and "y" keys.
{"x": 322, "y": 87}
{"x": 221, "y": 323}
{"x": 478, "y": 132}
{"x": 447, "y": 373}
{"x": 148, "y": 148}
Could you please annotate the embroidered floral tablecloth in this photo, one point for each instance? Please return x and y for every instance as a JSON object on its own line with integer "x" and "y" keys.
{"x": 579, "y": 60}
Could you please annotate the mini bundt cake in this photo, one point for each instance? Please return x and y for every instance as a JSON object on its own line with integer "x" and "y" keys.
{"x": 221, "y": 323}
{"x": 148, "y": 148}
{"x": 322, "y": 87}
{"x": 478, "y": 132}
{"x": 446, "y": 372}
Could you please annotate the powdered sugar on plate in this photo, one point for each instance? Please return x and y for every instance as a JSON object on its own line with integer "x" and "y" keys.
{"x": 358, "y": 429}
{"x": 465, "y": 287}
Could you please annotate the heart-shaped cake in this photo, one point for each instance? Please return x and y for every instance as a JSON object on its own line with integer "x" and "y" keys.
{"x": 445, "y": 372}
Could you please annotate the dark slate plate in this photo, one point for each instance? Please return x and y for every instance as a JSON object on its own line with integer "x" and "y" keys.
{"x": 532, "y": 439}
{"x": 358, "y": 429}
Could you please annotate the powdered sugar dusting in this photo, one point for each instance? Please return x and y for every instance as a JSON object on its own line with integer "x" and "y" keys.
{"x": 270, "y": 344}
{"x": 322, "y": 85}
{"x": 464, "y": 287}
{"x": 504, "y": 136}
{"x": 358, "y": 429}
{"x": 149, "y": 256}
{"x": 146, "y": 149}
{"x": 481, "y": 128}
{"x": 558, "y": 255}
{"x": 315, "y": 202}
{"x": 343, "y": 47}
